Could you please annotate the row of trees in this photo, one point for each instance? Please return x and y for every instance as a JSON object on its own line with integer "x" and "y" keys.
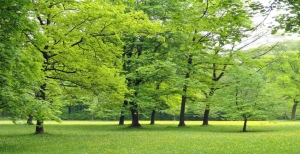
{"x": 137, "y": 56}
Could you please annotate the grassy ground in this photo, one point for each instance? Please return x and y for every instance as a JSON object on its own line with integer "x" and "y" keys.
{"x": 89, "y": 137}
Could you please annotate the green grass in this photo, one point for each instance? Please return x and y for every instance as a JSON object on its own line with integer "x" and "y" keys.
{"x": 89, "y": 137}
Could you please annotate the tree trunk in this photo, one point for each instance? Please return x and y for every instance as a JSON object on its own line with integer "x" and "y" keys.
{"x": 152, "y": 117}
{"x": 206, "y": 115}
{"x": 122, "y": 117}
{"x": 293, "y": 115}
{"x": 245, "y": 124}
{"x": 69, "y": 109}
{"x": 183, "y": 97}
{"x": 153, "y": 111}
{"x": 182, "y": 109}
{"x": 207, "y": 109}
{"x": 135, "y": 118}
{"x": 134, "y": 115}
{"x": 29, "y": 120}
{"x": 39, "y": 127}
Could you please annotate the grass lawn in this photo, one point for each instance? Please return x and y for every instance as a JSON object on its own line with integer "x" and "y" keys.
{"x": 93, "y": 137}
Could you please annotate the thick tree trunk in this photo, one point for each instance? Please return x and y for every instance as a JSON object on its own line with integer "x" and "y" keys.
{"x": 245, "y": 124}
{"x": 134, "y": 115}
{"x": 293, "y": 115}
{"x": 152, "y": 117}
{"x": 39, "y": 127}
{"x": 135, "y": 118}
{"x": 29, "y": 120}
{"x": 206, "y": 115}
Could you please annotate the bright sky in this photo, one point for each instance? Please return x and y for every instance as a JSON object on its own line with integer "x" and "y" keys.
{"x": 264, "y": 32}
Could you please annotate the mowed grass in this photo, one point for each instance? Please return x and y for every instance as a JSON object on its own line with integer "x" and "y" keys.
{"x": 93, "y": 137}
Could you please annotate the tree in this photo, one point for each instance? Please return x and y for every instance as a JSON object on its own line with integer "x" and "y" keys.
{"x": 269, "y": 61}
{"x": 146, "y": 63}
{"x": 283, "y": 70}
{"x": 144, "y": 70}
{"x": 204, "y": 54}
{"x": 80, "y": 42}
{"x": 244, "y": 95}
{"x": 288, "y": 18}
{"x": 197, "y": 48}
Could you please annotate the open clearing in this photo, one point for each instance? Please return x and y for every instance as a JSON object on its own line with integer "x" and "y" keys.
{"x": 91, "y": 137}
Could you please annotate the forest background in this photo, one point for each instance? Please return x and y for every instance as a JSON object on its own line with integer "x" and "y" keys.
{"x": 147, "y": 59}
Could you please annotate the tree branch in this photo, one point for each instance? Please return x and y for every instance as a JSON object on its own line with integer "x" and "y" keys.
{"x": 206, "y": 9}
{"x": 81, "y": 40}
{"x": 266, "y": 51}
{"x": 40, "y": 20}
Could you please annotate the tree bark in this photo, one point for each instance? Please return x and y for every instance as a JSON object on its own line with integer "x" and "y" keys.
{"x": 207, "y": 108}
{"x": 29, "y": 120}
{"x": 183, "y": 97}
{"x": 39, "y": 123}
{"x": 122, "y": 117}
{"x": 293, "y": 115}
{"x": 134, "y": 115}
{"x": 206, "y": 115}
{"x": 245, "y": 124}
{"x": 39, "y": 129}
{"x": 153, "y": 111}
{"x": 182, "y": 109}
{"x": 152, "y": 117}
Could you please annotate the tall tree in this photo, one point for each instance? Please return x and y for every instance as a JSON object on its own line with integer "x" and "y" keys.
{"x": 244, "y": 95}
{"x": 146, "y": 62}
{"x": 199, "y": 50}
{"x": 205, "y": 36}
{"x": 283, "y": 70}
{"x": 80, "y": 42}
